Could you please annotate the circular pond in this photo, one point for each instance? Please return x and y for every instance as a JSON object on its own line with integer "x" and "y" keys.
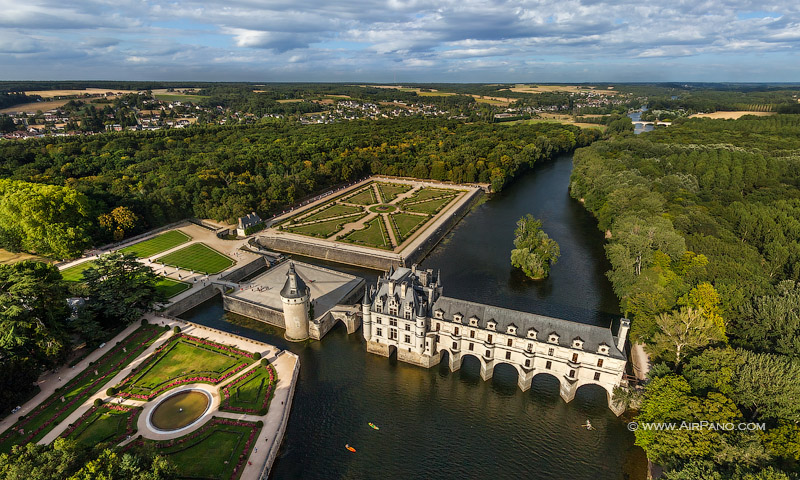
{"x": 383, "y": 208}
{"x": 180, "y": 410}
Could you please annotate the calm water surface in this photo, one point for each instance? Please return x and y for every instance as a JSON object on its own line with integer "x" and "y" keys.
{"x": 438, "y": 424}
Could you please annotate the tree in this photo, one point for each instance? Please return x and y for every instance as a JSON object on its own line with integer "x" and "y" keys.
{"x": 120, "y": 289}
{"x": 768, "y": 385}
{"x": 118, "y": 222}
{"x": 41, "y": 462}
{"x": 681, "y": 332}
{"x": 534, "y": 250}
{"x": 772, "y": 322}
{"x": 110, "y": 465}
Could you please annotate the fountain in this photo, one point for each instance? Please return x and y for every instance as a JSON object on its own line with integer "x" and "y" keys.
{"x": 180, "y": 410}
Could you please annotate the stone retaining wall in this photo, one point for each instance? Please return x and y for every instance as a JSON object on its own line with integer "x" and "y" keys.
{"x": 193, "y": 300}
{"x": 377, "y": 260}
{"x": 273, "y": 449}
{"x": 253, "y": 310}
{"x": 245, "y": 270}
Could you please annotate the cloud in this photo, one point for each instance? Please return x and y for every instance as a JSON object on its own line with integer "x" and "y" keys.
{"x": 434, "y": 39}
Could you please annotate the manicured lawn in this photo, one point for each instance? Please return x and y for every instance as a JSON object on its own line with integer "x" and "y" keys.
{"x": 75, "y": 273}
{"x": 335, "y": 210}
{"x": 365, "y": 197}
{"x": 183, "y": 359}
{"x": 105, "y": 425}
{"x": 430, "y": 206}
{"x": 44, "y": 417}
{"x": 197, "y": 257}
{"x": 390, "y": 191}
{"x": 250, "y": 392}
{"x": 405, "y": 223}
{"x": 374, "y": 235}
{"x": 324, "y": 229}
{"x": 219, "y": 450}
{"x": 429, "y": 192}
{"x": 170, "y": 287}
{"x": 158, "y": 244}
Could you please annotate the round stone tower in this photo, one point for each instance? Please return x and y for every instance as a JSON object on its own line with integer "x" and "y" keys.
{"x": 295, "y": 296}
{"x": 366, "y": 314}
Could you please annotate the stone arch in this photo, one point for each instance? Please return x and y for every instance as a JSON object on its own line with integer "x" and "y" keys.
{"x": 520, "y": 371}
{"x": 566, "y": 388}
{"x": 609, "y": 391}
{"x": 392, "y": 351}
{"x": 520, "y": 376}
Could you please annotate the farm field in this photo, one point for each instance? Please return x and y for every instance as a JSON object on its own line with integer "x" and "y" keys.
{"x": 158, "y": 244}
{"x": 176, "y": 97}
{"x": 34, "y": 107}
{"x": 62, "y": 93}
{"x": 170, "y": 287}
{"x": 560, "y": 88}
{"x": 197, "y": 257}
{"x": 731, "y": 115}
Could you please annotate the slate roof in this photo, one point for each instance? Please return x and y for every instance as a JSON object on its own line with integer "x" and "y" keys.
{"x": 294, "y": 287}
{"x": 591, "y": 335}
{"x": 249, "y": 220}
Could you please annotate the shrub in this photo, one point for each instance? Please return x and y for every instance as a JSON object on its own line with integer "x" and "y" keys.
{"x": 259, "y": 424}
{"x": 261, "y": 413}
{"x": 144, "y": 322}
{"x": 111, "y": 392}
{"x": 177, "y": 329}
{"x": 97, "y": 402}
{"x": 264, "y": 362}
{"x": 256, "y": 356}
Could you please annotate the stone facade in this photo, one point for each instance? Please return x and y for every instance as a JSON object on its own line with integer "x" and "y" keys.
{"x": 295, "y": 297}
{"x": 406, "y": 312}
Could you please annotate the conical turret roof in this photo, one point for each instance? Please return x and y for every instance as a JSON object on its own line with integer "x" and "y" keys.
{"x": 294, "y": 287}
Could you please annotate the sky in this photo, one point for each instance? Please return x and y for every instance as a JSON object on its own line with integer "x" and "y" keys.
{"x": 401, "y": 40}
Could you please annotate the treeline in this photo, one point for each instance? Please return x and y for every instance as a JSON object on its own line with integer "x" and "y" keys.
{"x": 703, "y": 220}
{"x": 225, "y": 172}
{"x": 16, "y": 98}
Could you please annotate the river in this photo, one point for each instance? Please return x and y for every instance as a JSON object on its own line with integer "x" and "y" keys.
{"x": 440, "y": 424}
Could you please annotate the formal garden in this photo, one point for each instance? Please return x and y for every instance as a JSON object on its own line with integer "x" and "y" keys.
{"x": 197, "y": 257}
{"x": 157, "y": 244}
{"x": 350, "y": 217}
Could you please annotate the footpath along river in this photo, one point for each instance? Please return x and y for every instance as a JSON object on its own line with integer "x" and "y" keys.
{"x": 437, "y": 424}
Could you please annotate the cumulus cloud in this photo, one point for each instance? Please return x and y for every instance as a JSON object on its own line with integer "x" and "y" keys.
{"x": 434, "y": 39}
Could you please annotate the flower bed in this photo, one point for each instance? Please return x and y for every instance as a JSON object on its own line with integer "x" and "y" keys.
{"x": 130, "y": 424}
{"x": 226, "y": 404}
{"x": 135, "y": 344}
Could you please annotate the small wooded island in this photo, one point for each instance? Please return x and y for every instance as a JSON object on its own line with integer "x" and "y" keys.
{"x": 534, "y": 250}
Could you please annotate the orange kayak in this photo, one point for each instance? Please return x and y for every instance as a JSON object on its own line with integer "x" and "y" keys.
{"x": 350, "y": 448}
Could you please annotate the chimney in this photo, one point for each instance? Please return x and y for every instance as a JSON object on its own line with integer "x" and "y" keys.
{"x": 403, "y": 289}
{"x": 391, "y": 287}
{"x": 622, "y": 333}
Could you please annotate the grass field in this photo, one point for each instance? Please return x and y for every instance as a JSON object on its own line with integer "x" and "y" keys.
{"x": 390, "y": 191}
{"x": 75, "y": 272}
{"x": 52, "y": 411}
{"x": 250, "y": 394}
{"x": 157, "y": 244}
{"x": 170, "y": 287}
{"x": 65, "y": 93}
{"x": 731, "y": 115}
{"x": 364, "y": 197}
{"x": 324, "y": 229}
{"x": 561, "y": 88}
{"x": 214, "y": 453}
{"x": 197, "y": 257}
{"x": 404, "y": 224}
{"x": 180, "y": 359}
{"x": 374, "y": 235}
{"x": 429, "y": 207}
{"x": 334, "y": 210}
{"x": 426, "y": 193}
{"x": 104, "y": 425}
{"x": 172, "y": 97}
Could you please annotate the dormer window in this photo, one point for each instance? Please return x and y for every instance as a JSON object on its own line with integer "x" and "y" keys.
{"x": 438, "y": 313}
{"x": 491, "y": 324}
{"x": 457, "y": 317}
{"x": 511, "y": 330}
{"x": 577, "y": 343}
{"x": 553, "y": 338}
{"x": 532, "y": 333}
{"x": 603, "y": 348}
{"x": 473, "y": 321}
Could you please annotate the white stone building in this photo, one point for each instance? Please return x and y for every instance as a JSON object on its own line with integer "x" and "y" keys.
{"x": 407, "y": 312}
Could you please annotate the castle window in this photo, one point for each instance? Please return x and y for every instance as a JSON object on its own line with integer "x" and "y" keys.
{"x": 471, "y": 347}
{"x": 408, "y": 327}
{"x": 456, "y": 330}
{"x": 407, "y": 315}
{"x": 527, "y": 363}
{"x": 379, "y": 332}
{"x": 553, "y": 338}
{"x": 437, "y": 327}
{"x": 530, "y": 347}
{"x": 392, "y": 311}
{"x": 511, "y": 330}
{"x": 488, "y": 353}
{"x": 603, "y": 348}
{"x": 438, "y": 313}
{"x": 532, "y": 333}
{"x": 455, "y": 346}
{"x": 379, "y": 320}
{"x": 572, "y": 374}
{"x": 574, "y": 358}
{"x": 457, "y": 317}
{"x": 490, "y": 338}
{"x": 473, "y": 321}
{"x": 472, "y": 334}
{"x": 491, "y": 324}
{"x": 596, "y": 376}
{"x": 548, "y": 365}
{"x": 599, "y": 363}
{"x": 550, "y": 351}
{"x": 392, "y": 334}
{"x": 392, "y": 322}
{"x": 577, "y": 343}
{"x": 510, "y": 342}
{"x": 508, "y": 355}
{"x": 378, "y": 309}
{"x": 407, "y": 339}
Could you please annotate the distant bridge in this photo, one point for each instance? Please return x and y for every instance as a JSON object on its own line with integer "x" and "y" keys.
{"x": 652, "y": 123}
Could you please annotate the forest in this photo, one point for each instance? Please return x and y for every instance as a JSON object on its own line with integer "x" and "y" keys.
{"x": 703, "y": 221}
{"x": 223, "y": 172}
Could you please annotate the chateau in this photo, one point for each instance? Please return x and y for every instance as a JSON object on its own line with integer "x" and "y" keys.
{"x": 407, "y": 312}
